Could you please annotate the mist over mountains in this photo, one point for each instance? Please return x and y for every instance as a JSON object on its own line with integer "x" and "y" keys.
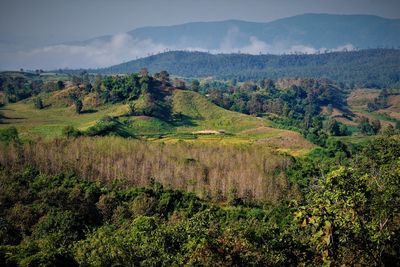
{"x": 309, "y": 33}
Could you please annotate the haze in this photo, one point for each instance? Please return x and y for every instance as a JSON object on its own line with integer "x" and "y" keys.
{"x": 31, "y": 31}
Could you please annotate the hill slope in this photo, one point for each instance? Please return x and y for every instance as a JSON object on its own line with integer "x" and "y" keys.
{"x": 376, "y": 66}
{"x": 205, "y": 115}
{"x": 196, "y": 116}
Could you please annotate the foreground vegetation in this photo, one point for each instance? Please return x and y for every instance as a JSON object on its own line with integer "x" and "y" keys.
{"x": 349, "y": 216}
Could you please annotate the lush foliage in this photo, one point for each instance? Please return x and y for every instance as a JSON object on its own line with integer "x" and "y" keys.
{"x": 348, "y": 217}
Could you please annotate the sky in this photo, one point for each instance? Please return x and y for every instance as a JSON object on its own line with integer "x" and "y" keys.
{"x": 38, "y": 24}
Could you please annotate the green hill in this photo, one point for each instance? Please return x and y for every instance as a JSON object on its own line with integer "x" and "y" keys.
{"x": 196, "y": 120}
{"x": 372, "y": 67}
{"x": 204, "y": 115}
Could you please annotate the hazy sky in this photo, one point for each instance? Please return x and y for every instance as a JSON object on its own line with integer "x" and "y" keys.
{"x": 28, "y": 24}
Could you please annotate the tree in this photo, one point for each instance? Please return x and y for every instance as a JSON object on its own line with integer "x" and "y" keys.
{"x": 348, "y": 220}
{"x": 179, "y": 83}
{"x": 9, "y": 134}
{"x": 333, "y": 127}
{"x": 70, "y": 131}
{"x": 376, "y": 126}
{"x": 343, "y": 129}
{"x": 398, "y": 125}
{"x": 97, "y": 83}
{"x": 78, "y": 106}
{"x": 164, "y": 77}
{"x": 38, "y": 103}
{"x": 195, "y": 85}
{"x": 60, "y": 85}
{"x": 143, "y": 72}
{"x": 365, "y": 127}
{"x": 132, "y": 108}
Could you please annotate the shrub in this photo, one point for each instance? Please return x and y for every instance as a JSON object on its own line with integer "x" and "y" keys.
{"x": 8, "y": 135}
{"x": 70, "y": 131}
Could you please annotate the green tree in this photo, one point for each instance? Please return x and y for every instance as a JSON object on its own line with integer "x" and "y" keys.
{"x": 333, "y": 127}
{"x": 365, "y": 127}
{"x": 376, "y": 126}
{"x": 38, "y": 103}
{"x": 70, "y": 131}
{"x": 60, "y": 85}
{"x": 78, "y": 106}
{"x": 195, "y": 85}
{"x": 397, "y": 125}
{"x": 9, "y": 134}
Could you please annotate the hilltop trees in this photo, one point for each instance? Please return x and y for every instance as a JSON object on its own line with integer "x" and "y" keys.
{"x": 163, "y": 77}
{"x": 372, "y": 68}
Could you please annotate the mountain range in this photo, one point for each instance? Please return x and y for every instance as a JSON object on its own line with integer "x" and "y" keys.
{"x": 303, "y": 33}
{"x": 308, "y": 33}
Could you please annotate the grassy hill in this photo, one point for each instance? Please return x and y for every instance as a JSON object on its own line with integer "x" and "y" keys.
{"x": 198, "y": 120}
{"x": 203, "y": 115}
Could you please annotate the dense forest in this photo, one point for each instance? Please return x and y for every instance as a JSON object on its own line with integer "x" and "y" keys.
{"x": 364, "y": 68}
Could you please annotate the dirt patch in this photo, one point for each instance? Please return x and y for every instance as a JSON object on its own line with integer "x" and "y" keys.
{"x": 210, "y": 132}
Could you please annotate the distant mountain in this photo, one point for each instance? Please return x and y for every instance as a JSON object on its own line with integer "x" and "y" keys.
{"x": 303, "y": 33}
{"x": 309, "y": 33}
{"x": 373, "y": 67}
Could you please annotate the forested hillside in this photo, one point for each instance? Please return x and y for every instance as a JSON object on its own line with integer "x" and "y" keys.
{"x": 365, "y": 68}
{"x": 95, "y": 170}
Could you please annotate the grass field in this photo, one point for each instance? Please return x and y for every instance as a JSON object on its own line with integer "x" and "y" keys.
{"x": 196, "y": 112}
{"x": 49, "y": 122}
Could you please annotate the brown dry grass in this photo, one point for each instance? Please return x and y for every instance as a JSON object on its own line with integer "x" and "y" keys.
{"x": 370, "y": 117}
{"x": 211, "y": 171}
{"x": 287, "y": 140}
{"x": 347, "y": 121}
{"x": 394, "y": 107}
{"x": 360, "y": 97}
{"x": 62, "y": 98}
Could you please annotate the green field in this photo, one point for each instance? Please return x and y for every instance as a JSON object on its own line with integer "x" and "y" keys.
{"x": 194, "y": 111}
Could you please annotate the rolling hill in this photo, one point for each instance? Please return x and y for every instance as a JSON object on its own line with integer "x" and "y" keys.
{"x": 202, "y": 121}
